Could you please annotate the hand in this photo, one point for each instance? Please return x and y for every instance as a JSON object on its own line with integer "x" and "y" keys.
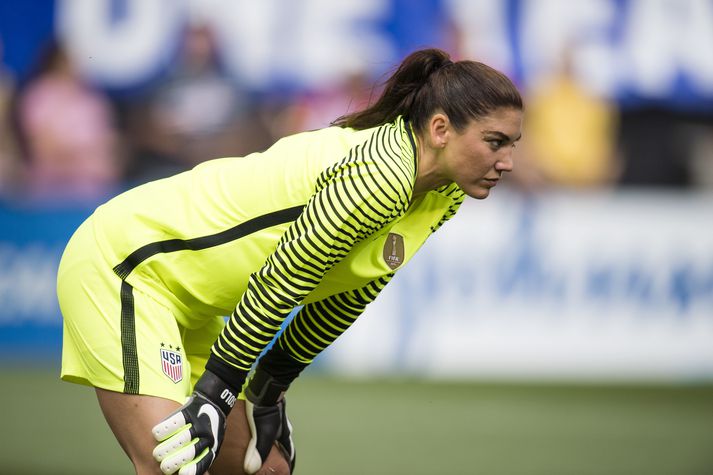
{"x": 265, "y": 408}
{"x": 191, "y": 437}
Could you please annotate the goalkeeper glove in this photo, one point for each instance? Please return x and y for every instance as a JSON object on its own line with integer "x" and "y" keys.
{"x": 265, "y": 408}
{"x": 191, "y": 437}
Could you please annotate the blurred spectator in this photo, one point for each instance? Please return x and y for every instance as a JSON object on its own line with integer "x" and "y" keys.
{"x": 10, "y": 165}
{"x": 67, "y": 131}
{"x": 193, "y": 113}
{"x": 317, "y": 109}
{"x": 569, "y": 136}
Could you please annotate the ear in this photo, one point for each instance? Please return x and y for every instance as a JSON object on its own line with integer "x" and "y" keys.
{"x": 439, "y": 129}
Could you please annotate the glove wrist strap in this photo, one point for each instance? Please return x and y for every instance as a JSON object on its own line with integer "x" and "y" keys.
{"x": 216, "y": 391}
{"x": 265, "y": 390}
{"x": 274, "y": 373}
{"x": 231, "y": 376}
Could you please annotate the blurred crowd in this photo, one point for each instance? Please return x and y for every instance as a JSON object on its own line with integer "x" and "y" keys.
{"x": 61, "y": 138}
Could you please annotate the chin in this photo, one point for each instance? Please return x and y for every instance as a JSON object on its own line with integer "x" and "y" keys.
{"x": 479, "y": 193}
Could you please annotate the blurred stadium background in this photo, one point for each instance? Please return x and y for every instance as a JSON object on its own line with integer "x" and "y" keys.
{"x": 563, "y": 326}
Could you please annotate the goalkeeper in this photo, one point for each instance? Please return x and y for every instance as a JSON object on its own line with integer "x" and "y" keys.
{"x": 321, "y": 219}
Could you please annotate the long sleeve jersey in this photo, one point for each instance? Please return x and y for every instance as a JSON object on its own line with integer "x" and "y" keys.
{"x": 321, "y": 219}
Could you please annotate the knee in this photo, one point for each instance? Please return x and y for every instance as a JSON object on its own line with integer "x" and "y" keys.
{"x": 230, "y": 463}
{"x": 147, "y": 467}
{"x": 274, "y": 465}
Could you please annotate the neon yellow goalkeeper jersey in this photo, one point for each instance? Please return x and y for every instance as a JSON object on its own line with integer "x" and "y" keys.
{"x": 321, "y": 219}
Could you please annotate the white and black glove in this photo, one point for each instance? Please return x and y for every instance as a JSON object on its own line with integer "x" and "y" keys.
{"x": 191, "y": 437}
{"x": 265, "y": 408}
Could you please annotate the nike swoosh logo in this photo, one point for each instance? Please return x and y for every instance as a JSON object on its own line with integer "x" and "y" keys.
{"x": 208, "y": 410}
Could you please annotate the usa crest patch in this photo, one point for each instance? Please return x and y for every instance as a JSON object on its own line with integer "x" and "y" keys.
{"x": 172, "y": 364}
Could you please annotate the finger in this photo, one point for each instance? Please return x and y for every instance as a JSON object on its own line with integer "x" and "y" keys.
{"x": 264, "y": 424}
{"x": 169, "y": 426}
{"x": 253, "y": 461}
{"x": 200, "y": 465}
{"x": 256, "y": 454}
{"x": 287, "y": 448}
{"x": 288, "y": 454}
{"x": 173, "y": 444}
{"x": 286, "y": 441}
{"x": 185, "y": 456}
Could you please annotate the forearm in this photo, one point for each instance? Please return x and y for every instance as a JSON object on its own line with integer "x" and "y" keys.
{"x": 253, "y": 325}
{"x": 316, "y": 327}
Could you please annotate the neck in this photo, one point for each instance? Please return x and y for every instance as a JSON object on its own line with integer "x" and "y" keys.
{"x": 428, "y": 176}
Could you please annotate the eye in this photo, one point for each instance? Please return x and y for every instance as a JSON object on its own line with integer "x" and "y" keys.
{"x": 495, "y": 143}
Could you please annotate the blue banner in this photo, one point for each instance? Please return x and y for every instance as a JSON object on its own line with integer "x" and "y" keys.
{"x": 639, "y": 52}
{"x": 32, "y": 238}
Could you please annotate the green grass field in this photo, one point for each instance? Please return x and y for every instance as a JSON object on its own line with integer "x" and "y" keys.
{"x": 403, "y": 427}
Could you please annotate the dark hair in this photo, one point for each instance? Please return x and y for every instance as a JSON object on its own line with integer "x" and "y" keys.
{"x": 428, "y": 81}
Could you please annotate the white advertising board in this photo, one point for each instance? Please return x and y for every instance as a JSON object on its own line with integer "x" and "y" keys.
{"x": 561, "y": 287}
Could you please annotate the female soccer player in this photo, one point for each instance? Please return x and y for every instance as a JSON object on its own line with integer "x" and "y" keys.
{"x": 321, "y": 219}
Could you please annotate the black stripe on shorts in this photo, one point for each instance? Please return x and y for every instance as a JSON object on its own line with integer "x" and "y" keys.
{"x": 129, "y": 353}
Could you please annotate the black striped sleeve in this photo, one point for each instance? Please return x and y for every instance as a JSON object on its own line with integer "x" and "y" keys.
{"x": 318, "y": 324}
{"x": 354, "y": 198}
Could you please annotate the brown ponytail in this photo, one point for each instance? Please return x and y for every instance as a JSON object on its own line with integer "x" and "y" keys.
{"x": 428, "y": 81}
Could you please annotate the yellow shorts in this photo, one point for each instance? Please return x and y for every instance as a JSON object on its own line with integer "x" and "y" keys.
{"x": 118, "y": 338}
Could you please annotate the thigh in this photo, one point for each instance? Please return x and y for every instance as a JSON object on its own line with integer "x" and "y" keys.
{"x": 232, "y": 452}
{"x": 131, "y": 418}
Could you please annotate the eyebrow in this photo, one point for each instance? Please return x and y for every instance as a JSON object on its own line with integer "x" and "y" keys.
{"x": 502, "y": 135}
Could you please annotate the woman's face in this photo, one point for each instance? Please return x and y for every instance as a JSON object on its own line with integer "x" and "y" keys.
{"x": 476, "y": 157}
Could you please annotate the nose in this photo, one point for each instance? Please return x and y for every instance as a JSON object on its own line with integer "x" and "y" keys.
{"x": 505, "y": 163}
